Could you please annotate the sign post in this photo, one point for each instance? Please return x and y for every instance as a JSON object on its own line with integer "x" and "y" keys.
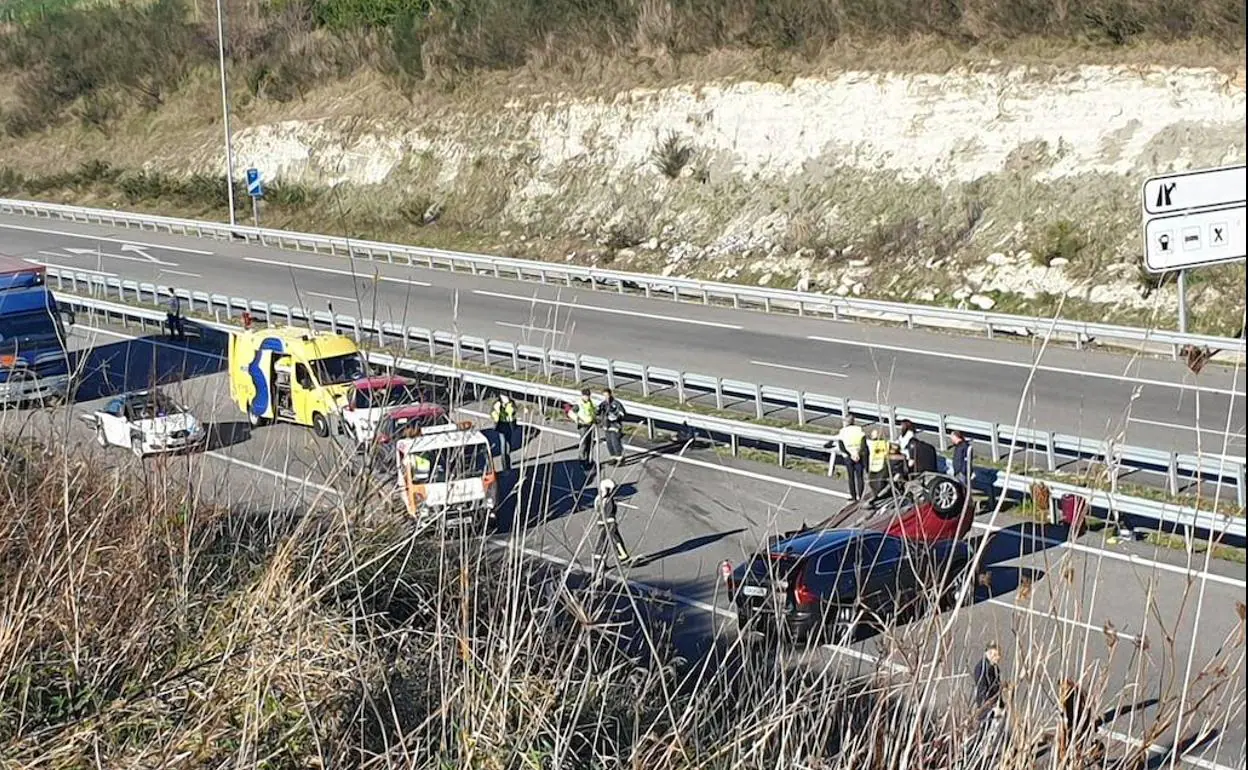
{"x": 255, "y": 188}
{"x": 1193, "y": 219}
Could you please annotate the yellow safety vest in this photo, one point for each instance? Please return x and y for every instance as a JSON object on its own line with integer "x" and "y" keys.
{"x": 879, "y": 455}
{"x": 851, "y": 436}
{"x": 507, "y": 411}
{"x": 585, "y": 412}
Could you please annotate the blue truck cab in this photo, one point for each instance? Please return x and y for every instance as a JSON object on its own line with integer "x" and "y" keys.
{"x": 34, "y": 359}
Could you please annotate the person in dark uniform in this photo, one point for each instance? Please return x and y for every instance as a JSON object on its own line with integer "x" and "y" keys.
{"x": 609, "y": 539}
{"x": 963, "y": 469}
{"x": 612, "y": 414}
{"x": 173, "y": 315}
{"x": 987, "y": 679}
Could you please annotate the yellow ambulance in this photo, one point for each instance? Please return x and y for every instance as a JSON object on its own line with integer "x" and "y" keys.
{"x": 293, "y": 375}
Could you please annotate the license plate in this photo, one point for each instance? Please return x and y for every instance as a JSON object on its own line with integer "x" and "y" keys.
{"x": 754, "y": 590}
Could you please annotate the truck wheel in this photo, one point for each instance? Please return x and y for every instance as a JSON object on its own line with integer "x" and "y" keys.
{"x": 320, "y": 425}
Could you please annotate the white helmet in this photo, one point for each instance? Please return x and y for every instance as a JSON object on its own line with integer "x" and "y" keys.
{"x": 606, "y": 486}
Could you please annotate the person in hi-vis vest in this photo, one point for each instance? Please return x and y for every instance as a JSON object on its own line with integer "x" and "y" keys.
{"x": 877, "y": 462}
{"x": 503, "y": 413}
{"x": 585, "y": 413}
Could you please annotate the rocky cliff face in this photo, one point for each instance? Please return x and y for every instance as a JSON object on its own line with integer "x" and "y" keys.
{"x": 1014, "y": 188}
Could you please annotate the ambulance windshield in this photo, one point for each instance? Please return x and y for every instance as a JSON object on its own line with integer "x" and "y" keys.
{"x": 339, "y": 370}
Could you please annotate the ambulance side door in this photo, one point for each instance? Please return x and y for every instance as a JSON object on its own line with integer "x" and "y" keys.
{"x": 304, "y": 392}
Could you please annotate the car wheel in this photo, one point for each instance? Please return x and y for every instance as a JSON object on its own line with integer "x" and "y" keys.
{"x": 100, "y": 438}
{"x": 136, "y": 446}
{"x": 320, "y": 425}
{"x": 947, "y": 496}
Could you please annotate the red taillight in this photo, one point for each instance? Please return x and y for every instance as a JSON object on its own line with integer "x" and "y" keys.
{"x": 802, "y": 593}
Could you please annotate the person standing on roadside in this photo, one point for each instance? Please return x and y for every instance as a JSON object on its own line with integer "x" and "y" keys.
{"x": 609, "y": 532}
{"x": 585, "y": 414}
{"x": 503, "y": 413}
{"x": 851, "y": 443}
{"x": 963, "y": 467}
{"x": 174, "y": 316}
{"x": 877, "y": 464}
{"x": 904, "y": 439}
{"x": 987, "y": 680}
{"x": 613, "y": 414}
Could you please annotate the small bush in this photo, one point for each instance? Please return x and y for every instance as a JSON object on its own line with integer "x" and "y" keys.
{"x": 1061, "y": 240}
{"x": 672, "y": 155}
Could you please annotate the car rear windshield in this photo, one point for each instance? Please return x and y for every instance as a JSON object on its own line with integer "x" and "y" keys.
{"x": 765, "y": 567}
{"x": 394, "y": 395}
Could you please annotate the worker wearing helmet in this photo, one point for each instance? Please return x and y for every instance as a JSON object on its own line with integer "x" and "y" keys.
{"x": 609, "y": 532}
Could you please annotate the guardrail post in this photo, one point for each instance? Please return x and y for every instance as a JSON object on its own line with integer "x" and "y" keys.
{"x": 942, "y": 430}
{"x": 515, "y": 357}
{"x": 485, "y": 352}
{"x": 650, "y": 428}
{"x": 611, "y": 374}
{"x": 680, "y": 387}
{"x": 831, "y": 464}
{"x": 988, "y": 326}
{"x": 995, "y": 444}
{"x": 719, "y": 392}
{"x": 433, "y": 345}
{"x": 801, "y": 407}
{"x": 758, "y": 401}
{"x": 1049, "y": 452}
{"x": 546, "y": 362}
{"x": 783, "y": 455}
{"x": 767, "y": 304}
{"x": 733, "y": 444}
{"x": 706, "y": 297}
{"x": 1241, "y": 486}
{"x": 645, "y": 380}
{"x": 457, "y": 350}
{"x": 576, "y": 367}
{"x": 1172, "y": 473}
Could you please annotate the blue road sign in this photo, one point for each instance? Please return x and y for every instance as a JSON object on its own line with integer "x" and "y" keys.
{"x": 254, "y": 188}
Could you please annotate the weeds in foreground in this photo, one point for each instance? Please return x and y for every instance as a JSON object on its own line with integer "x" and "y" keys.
{"x": 149, "y": 624}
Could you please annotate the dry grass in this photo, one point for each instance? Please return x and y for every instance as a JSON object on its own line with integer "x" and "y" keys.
{"x": 147, "y": 627}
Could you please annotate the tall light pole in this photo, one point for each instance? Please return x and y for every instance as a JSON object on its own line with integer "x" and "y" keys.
{"x": 225, "y": 112}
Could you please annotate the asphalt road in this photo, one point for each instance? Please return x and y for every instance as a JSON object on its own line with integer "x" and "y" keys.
{"x": 1138, "y": 400}
{"x": 686, "y": 512}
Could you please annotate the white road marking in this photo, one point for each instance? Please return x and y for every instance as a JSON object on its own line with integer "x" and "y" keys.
{"x": 1060, "y": 619}
{"x": 179, "y": 272}
{"x": 609, "y": 310}
{"x": 106, "y": 239}
{"x": 799, "y": 369}
{"x": 71, "y": 269}
{"x": 333, "y": 271}
{"x": 527, "y": 328}
{"x": 95, "y": 253}
{"x": 1177, "y": 426}
{"x": 1024, "y": 365}
{"x": 331, "y": 296}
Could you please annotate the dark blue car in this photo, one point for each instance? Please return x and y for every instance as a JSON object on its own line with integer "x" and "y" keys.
{"x": 813, "y": 582}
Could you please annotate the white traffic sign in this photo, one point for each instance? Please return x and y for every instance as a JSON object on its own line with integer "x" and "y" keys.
{"x": 1194, "y": 218}
{"x": 1194, "y": 238}
{"x": 1206, "y": 188}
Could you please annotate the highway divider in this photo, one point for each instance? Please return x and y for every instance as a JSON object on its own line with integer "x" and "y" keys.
{"x": 734, "y": 433}
{"x": 678, "y": 289}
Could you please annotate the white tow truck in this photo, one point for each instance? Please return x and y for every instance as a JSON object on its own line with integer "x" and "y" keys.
{"x": 447, "y": 475}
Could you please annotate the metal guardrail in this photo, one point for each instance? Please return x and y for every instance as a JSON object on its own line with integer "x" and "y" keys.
{"x": 733, "y": 432}
{"x": 1056, "y": 449}
{"x": 679, "y": 289}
